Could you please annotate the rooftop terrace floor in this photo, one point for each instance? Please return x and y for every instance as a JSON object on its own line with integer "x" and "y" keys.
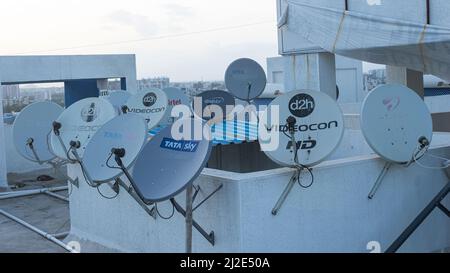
{"x": 47, "y": 213}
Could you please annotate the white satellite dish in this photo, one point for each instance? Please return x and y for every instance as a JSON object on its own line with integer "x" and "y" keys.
{"x": 79, "y": 123}
{"x": 245, "y": 79}
{"x": 393, "y": 120}
{"x": 175, "y": 97}
{"x": 309, "y": 127}
{"x": 151, "y": 105}
{"x": 318, "y": 129}
{"x": 32, "y": 128}
{"x": 127, "y": 132}
{"x": 118, "y": 99}
{"x": 397, "y": 125}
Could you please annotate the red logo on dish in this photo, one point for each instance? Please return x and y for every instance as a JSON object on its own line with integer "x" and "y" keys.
{"x": 391, "y": 103}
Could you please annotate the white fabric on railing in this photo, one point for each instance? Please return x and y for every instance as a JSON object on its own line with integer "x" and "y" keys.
{"x": 372, "y": 38}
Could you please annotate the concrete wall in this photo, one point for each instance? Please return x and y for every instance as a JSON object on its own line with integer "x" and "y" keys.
{"x": 334, "y": 215}
{"x": 349, "y": 77}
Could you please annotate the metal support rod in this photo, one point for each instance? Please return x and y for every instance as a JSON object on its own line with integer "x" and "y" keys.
{"x": 380, "y": 178}
{"x": 74, "y": 182}
{"x": 419, "y": 220}
{"x": 38, "y": 231}
{"x": 64, "y": 147}
{"x": 188, "y": 218}
{"x": 208, "y": 197}
{"x": 83, "y": 168}
{"x": 54, "y": 166}
{"x": 444, "y": 209}
{"x": 16, "y": 194}
{"x": 132, "y": 193}
{"x": 56, "y": 196}
{"x": 209, "y": 237}
{"x": 285, "y": 194}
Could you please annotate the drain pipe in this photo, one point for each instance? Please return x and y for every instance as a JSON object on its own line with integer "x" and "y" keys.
{"x": 38, "y": 231}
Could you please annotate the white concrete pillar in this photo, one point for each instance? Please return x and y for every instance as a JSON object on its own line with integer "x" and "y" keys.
{"x": 410, "y": 78}
{"x": 3, "y": 170}
{"x": 315, "y": 71}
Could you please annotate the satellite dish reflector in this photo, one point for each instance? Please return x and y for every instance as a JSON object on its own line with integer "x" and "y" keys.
{"x": 175, "y": 97}
{"x": 34, "y": 123}
{"x": 127, "y": 132}
{"x": 317, "y": 124}
{"x": 245, "y": 79}
{"x": 393, "y": 120}
{"x": 118, "y": 99}
{"x": 151, "y": 105}
{"x": 166, "y": 166}
{"x": 212, "y": 98}
{"x": 79, "y": 122}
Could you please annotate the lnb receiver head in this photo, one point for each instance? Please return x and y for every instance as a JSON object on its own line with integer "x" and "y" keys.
{"x": 119, "y": 152}
{"x": 56, "y": 127}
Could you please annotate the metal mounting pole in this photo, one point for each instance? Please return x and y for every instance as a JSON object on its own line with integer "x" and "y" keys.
{"x": 209, "y": 237}
{"x": 285, "y": 194}
{"x": 44, "y": 234}
{"x": 436, "y": 202}
{"x": 291, "y": 123}
{"x": 133, "y": 194}
{"x": 189, "y": 215}
{"x": 380, "y": 178}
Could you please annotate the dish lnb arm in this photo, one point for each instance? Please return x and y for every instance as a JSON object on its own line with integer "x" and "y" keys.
{"x": 291, "y": 121}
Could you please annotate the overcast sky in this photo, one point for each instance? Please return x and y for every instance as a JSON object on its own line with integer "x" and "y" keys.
{"x": 46, "y": 26}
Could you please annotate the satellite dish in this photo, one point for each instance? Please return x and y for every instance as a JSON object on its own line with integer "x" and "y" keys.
{"x": 118, "y": 99}
{"x": 166, "y": 166}
{"x": 317, "y": 124}
{"x": 127, "y": 132}
{"x": 393, "y": 120}
{"x": 34, "y": 123}
{"x": 175, "y": 97}
{"x": 220, "y": 98}
{"x": 151, "y": 105}
{"x": 79, "y": 122}
{"x": 245, "y": 79}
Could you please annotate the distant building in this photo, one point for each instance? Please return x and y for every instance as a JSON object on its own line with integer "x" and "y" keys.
{"x": 159, "y": 82}
{"x": 11, "y": 92}
{"x": 374, "y": 78}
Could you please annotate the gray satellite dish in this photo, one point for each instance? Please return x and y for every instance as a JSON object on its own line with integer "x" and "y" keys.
{"x": 32, "y": 128}
{"x": 245, "y": 79}
{"x": 118, "y": 99}
{"x": 166, "y": 166}
{"x": 219, "y": 98}
{"x": 397, "y": 125}
{"x": 79, "y": 123}
{"x": 128, "y": 132}
{"x": 151, "y": 105}
{"x": 175, "y": 97}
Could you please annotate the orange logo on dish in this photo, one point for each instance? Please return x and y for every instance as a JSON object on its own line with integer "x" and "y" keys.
{"x": 391, "y": 103}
